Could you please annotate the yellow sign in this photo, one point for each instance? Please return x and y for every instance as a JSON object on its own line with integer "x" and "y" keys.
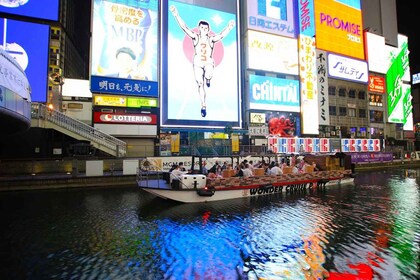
{"x": 339, "y": 28}
{"x": 235, "y": 143}
{"x": 257, "y": 118}
{"x": 110, "y": 100}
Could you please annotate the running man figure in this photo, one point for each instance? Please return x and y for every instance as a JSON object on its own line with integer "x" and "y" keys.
{"x": 203, "y": 62}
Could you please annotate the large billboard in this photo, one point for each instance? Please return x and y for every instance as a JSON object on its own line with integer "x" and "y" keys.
{"x": 339, "y": 27}
{"x": 200, "y": 86}
{"x": 18, "y": 41}
{"x": 275, "y": 17}
{"x": 124, "y": 55}
{"x": 45, "y": 9}
{"x": 272, "y": 53}
{"x": 274, "y": 94}
{"x": 399, "y": 94}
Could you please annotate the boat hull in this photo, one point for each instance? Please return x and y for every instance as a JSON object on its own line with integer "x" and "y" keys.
{"x": 217, "y": 193}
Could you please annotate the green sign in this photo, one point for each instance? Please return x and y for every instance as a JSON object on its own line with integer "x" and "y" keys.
{"x": 137, "y": 102}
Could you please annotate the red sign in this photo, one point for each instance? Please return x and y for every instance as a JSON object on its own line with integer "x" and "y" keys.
{"x": 324, "y": 145}
{"x": 376, "y": 145}
{"x": 364, "y": 147}
{"x": 291, "y": 145}
{"x": 309, "y": 148}
{"x": 376, "y": 84}
{"x": 352, "y": 145}
{"x": 100, "y": 117}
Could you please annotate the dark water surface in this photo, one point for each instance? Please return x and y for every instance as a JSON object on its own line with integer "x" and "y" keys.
{"x": 370, "y": 230}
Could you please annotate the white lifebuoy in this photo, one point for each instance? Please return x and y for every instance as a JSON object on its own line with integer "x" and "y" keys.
{"x": 413, "y": 155}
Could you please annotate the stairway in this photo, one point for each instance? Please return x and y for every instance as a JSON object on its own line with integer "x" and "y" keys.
{"x": 44, "y": 117}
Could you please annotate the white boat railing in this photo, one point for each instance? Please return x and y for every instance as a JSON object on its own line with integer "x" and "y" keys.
{"x": 116, "y": 146}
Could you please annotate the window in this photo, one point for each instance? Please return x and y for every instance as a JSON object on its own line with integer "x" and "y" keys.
{"x": 362, "y": 95}
{"x": 376, "y": 116}
{"x": 352, "y": 112}
{"x": 362, "y": 113}
{"x": 342, "y": 92}
{"x": 333, "y": 110}
{"x": 331, "y": 90}
{"x": 352, "y": 93}
{"x": 343, "y": 111}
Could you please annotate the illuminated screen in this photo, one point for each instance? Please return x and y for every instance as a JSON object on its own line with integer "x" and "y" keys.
{"x": 270, "y": 93}
{"x": 200, "y": 88}
{"x": 283, "y": 124}
{"x": 399, "y": 94}
{"x": 269, "y": 16}
{"x": 124, "y": 48}
{"x": 339, "y": 27}
{"x": 282, "y": 51}
{"x": 45, "y": 9}
{"x": 33, "y": 58}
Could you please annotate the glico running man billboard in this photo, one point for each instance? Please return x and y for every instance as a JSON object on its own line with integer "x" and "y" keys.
{"x": 125, "y": 47}
{"x": 200, "y": 87}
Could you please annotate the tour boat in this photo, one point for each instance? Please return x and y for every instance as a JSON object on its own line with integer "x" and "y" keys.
{"x": 193, "y": 188}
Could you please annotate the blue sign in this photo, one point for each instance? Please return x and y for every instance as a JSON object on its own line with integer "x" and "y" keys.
{"x": 282, "y": 143}
{"x": 316, "y": 145}
{"x": 276, "y": 94}
{"x": 123, "y": 86}
{"x": 28, "y": 44}
{"x": 345, "y": 145}
{"x": 45, "y": 9}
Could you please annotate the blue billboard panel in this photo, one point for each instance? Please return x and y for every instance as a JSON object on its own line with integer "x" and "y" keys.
{"x": 123, "y": 86}
{"x": 275, "y": 94}
{"x": 200, "y": 87}
{"x": 28, "y": 43}
{"x": 45, "y": 9}
{"x": 124, "y": 43}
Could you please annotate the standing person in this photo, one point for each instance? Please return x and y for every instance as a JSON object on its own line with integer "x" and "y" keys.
{"x": 203, "y": 62}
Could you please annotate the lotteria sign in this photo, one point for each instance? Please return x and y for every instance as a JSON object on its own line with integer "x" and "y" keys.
{"x": 339, "y": 27}
{"x": 270, "y": 93}
{"x": 100, "y": 117}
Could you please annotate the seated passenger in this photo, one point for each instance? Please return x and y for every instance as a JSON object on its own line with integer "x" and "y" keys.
{"x": 276, "y": 170}
{"x": 247, "y": 172}
{"x": 176, "y": 174}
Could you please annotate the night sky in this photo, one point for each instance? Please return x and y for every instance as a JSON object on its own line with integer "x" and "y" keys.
{"x": 408, "y": 18}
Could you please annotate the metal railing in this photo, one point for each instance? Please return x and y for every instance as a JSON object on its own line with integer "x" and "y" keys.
{"x": 42, "y": 112}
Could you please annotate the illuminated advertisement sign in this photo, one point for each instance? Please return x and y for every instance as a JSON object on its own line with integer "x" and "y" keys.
{"x": 200, "y": 86}
{"x": 376, "y": 84}
{"x": 308, "y": 80}
{"x": 283, "y": 124}
{"x": 416, "y": 79}
{"x": 45, "y": 9}
{"x": 110, "y": 100}
{"x": 100, "y": 117}
{"x": 347, "y": 68}
{"x": 322, "y": 84}
{"x": 257, "y": 118}
{"x": 137, "y": 102}
{"x": 306, "y": 17}
{"x": 269, "y": 16}
{"x": 124, "y": 47}
{"x": 270, "y": 93}
{"x": 33, "y": 58}
{"x": 339, "y": 27}
{"x": 272, "y": 53}
{"x": 399, "y": 95}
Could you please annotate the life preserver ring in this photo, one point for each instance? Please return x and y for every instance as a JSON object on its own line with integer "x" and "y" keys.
{"x": 413, "y": 155}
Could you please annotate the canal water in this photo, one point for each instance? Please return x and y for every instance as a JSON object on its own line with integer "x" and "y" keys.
{"x": 369, "y": 230}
